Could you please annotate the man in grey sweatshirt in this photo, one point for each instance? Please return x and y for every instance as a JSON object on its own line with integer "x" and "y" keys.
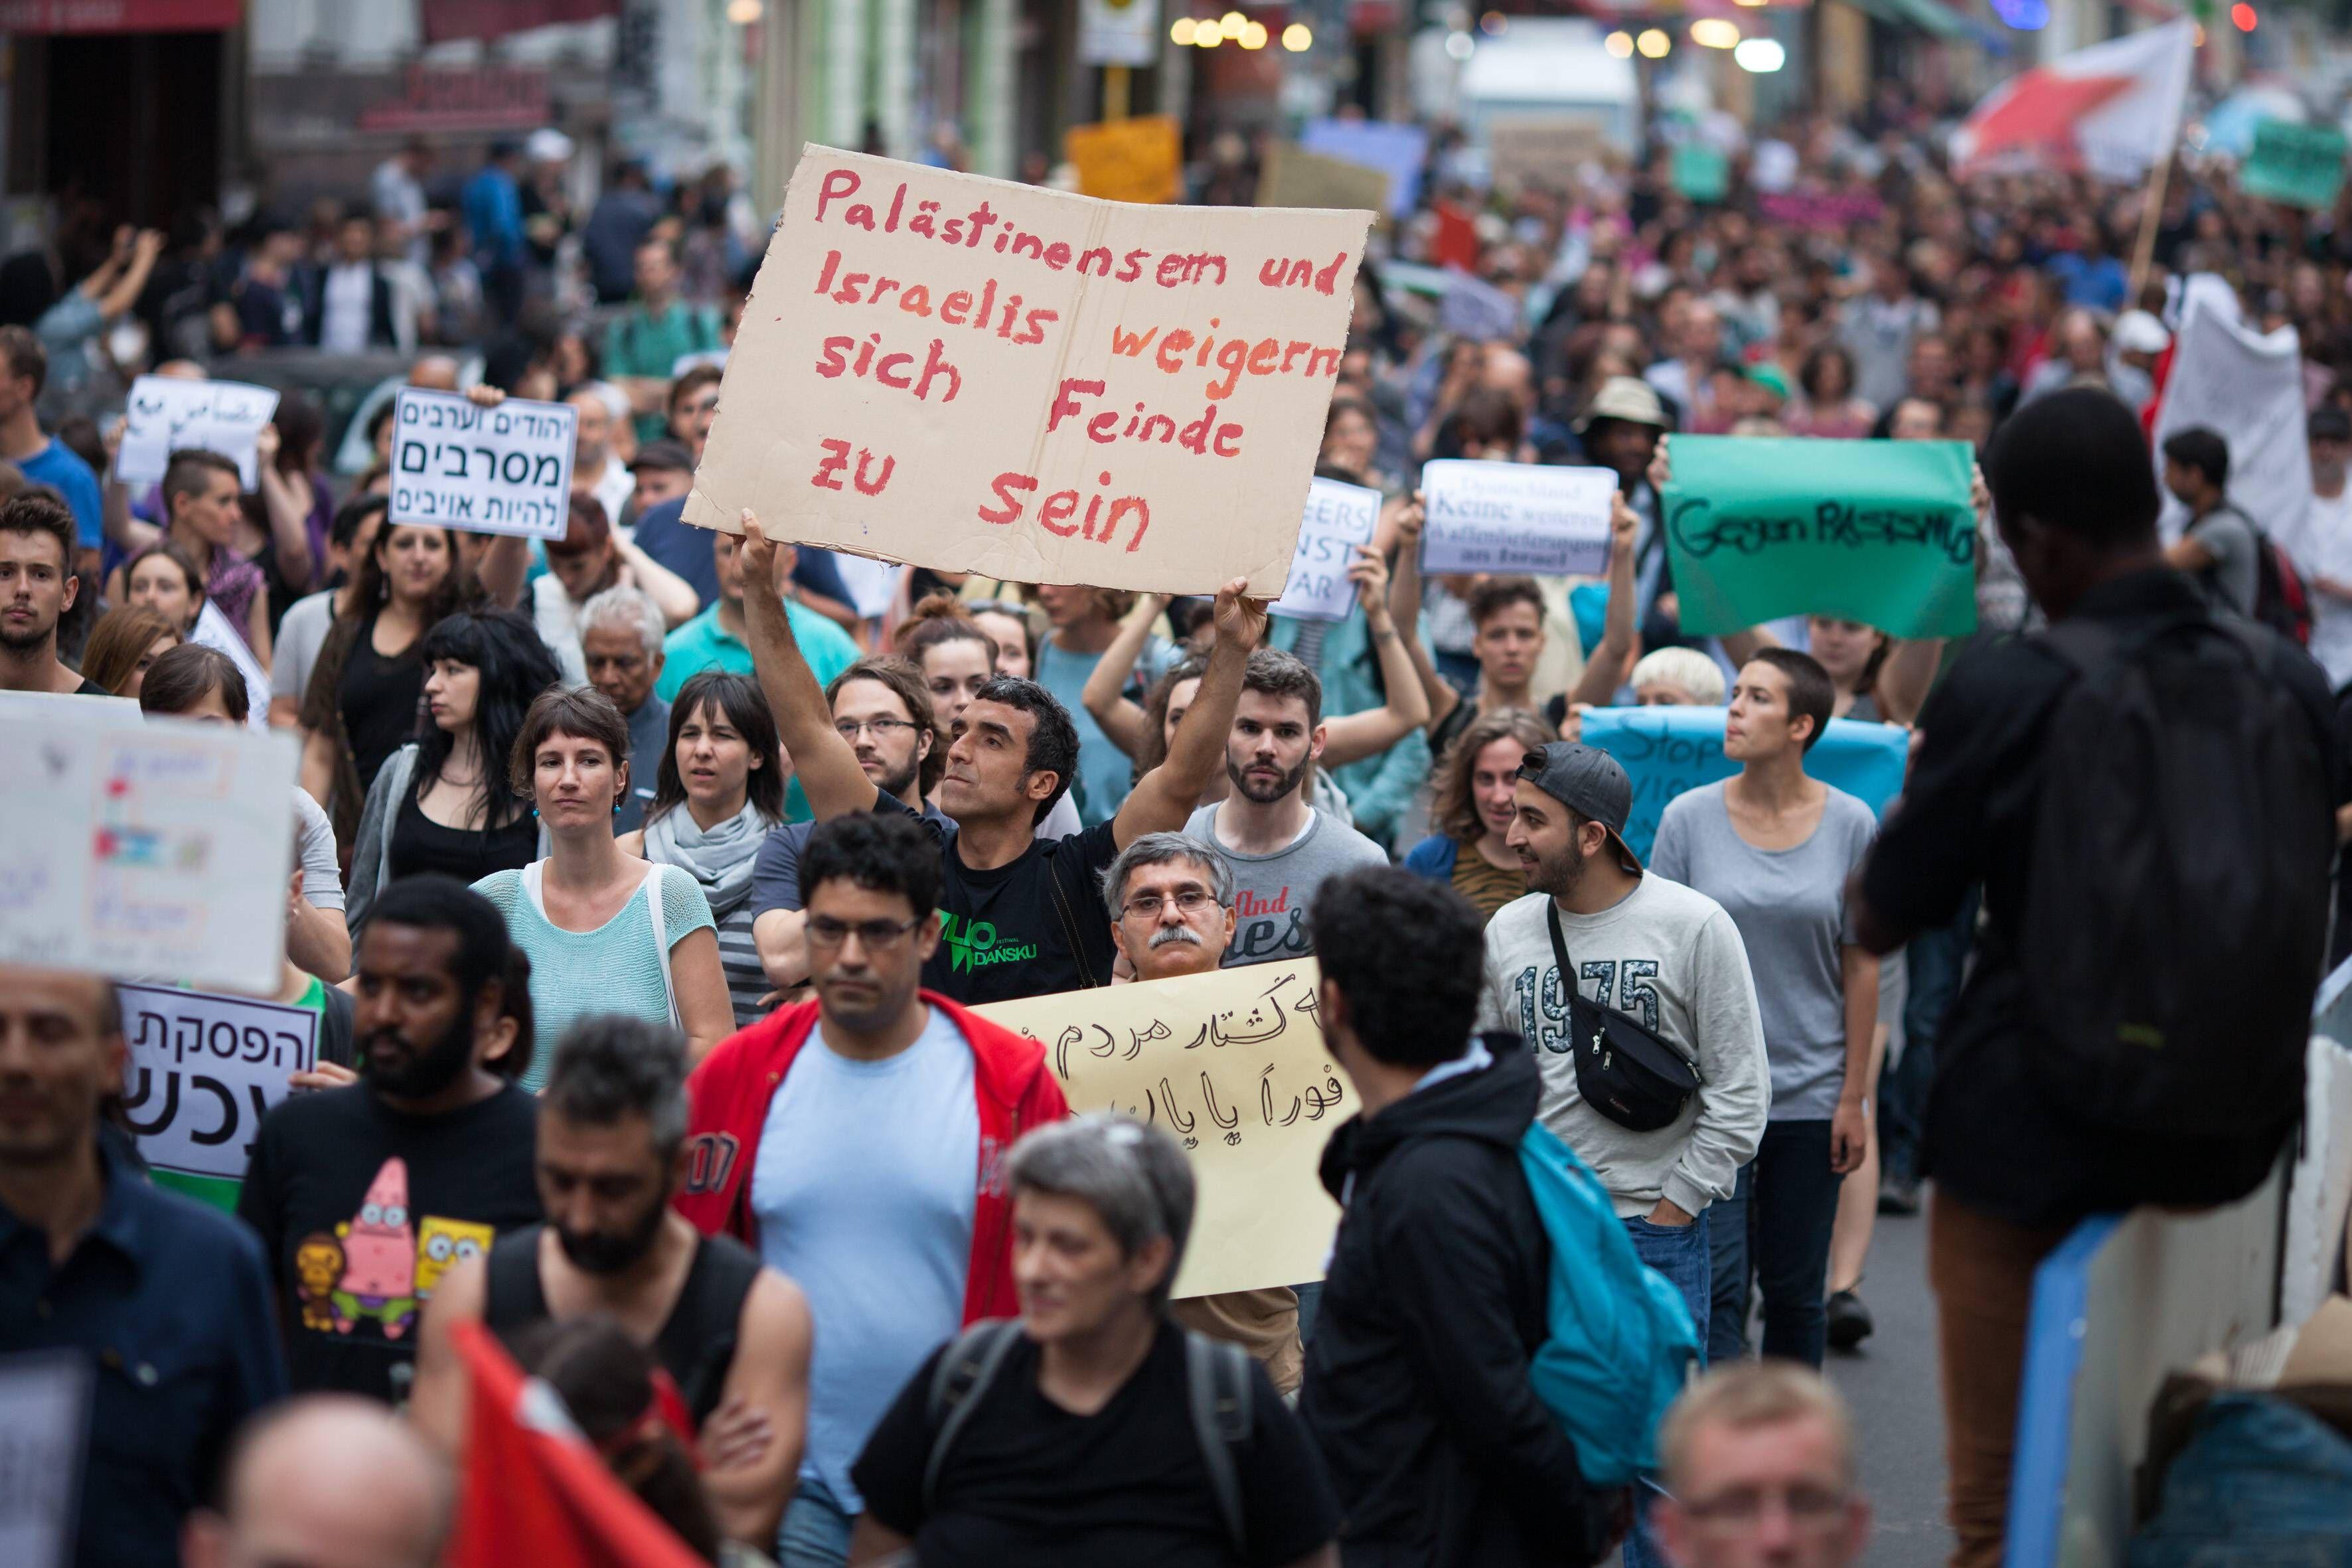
{"x": 1655, "y": 949}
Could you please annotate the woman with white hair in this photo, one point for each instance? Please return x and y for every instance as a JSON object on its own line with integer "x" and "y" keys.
{"x": 1677, "y": 678}
{"x": 1060, "y": 1436}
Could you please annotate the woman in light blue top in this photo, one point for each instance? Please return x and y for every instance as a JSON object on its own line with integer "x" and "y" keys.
{"x": 605, "y": 932}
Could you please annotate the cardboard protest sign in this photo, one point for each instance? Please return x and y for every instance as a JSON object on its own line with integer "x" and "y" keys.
{"x": 1119, "y": 32}
{"x": 486, "y": 470}
{"x": 1294, "y": 177}
{"x": 1516, "y": 518}
{"x": 1339, "y": 518}
{"x": 204, "y": 1072}
{"x": 1475, "y": 308}
{"x": 147, "y": 850}
{"x": 44, "y": 1418}
{"x": 1232, "y": 1065}
{"x": 1668, "y": 750}
{"x": 1398, "y": 151}
{"x": 166, "y": 415}
{"x": 1542, "y": 150}
{"x": 2302, "y": 165}
{"x": 1878, "y": 532}
{"x": 1702, "y": 172}
{"x": 1138, "y": 159}
{"x": 964, "y": 373}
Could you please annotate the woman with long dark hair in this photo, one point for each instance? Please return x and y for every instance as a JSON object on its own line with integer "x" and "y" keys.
{"x": 369, "y": 680}
{"x": 719, "y": 792}
{"x": 443, "y": 803}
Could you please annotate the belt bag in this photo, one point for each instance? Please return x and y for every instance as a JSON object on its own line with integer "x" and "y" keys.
{"x": 1624, "y": 1069}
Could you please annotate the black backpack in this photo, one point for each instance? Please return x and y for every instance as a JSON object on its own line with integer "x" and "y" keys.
{"x": 2178, "y": 902}
{"x": 1216, "y": 1382}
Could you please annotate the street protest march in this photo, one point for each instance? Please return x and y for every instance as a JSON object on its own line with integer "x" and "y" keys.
{"x": 1030, "y": 786}
{"x": 940, "y": 369}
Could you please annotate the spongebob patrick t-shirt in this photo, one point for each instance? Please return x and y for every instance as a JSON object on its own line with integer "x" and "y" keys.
{"x": 361, "y": 1209}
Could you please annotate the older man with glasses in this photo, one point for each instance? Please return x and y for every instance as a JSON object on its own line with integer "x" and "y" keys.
{"x": 1172, "y": 913}
{"x": 858, "y": 1141}
{"x": 1759, "y": 1470}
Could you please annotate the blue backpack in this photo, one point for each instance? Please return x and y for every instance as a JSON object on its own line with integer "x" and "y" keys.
{"x": 1621, "y": 1342}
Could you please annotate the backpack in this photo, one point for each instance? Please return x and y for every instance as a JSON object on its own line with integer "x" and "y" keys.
{"x": 2281, "y": 601}
{"x": 1216, "y": 1384}
{"x": 1620, "y": 1341}
{"x": 2178, "y": 887}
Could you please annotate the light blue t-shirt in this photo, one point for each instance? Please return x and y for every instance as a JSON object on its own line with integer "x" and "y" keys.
{"x": 864, "y": 1192}
{"x": 1105, "y": 773}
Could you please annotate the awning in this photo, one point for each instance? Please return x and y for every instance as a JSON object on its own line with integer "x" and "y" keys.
{"x": 446, "y": 19}
{"x": 1930, "y": 17}
{"x": 54, "y": 16}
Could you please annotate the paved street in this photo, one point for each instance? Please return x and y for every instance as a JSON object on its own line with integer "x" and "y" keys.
{"x": 1892, "y": 1384}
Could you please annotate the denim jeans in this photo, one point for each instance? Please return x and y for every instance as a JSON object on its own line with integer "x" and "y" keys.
{"x": 1936, "y": 959}
{"x": 1775, "y": 1230}
{"x": 1730, "y": 1286}
{"x": 816, "y": 1531}
{"x": 1680, "y": 1253}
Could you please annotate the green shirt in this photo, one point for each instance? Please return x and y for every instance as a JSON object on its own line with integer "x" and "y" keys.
{"x": 703, "y": 644}
{"x": 640, "y": 343}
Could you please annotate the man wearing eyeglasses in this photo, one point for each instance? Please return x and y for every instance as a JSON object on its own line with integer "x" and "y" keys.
{"x": 1172, "y": 913}
{"x": 857, "y": 1142}
{"x": 1759, "y": 1465}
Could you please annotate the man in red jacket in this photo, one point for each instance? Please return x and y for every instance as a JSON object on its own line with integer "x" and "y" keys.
{"x": 856, "y": 1140}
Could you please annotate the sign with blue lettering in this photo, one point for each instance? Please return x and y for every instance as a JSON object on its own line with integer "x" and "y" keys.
{"x": 1666, "y": 751}
{"x": 506, "y": 469}
{"x": 1339, "y": 518}
{"x": 1516, "y": 517}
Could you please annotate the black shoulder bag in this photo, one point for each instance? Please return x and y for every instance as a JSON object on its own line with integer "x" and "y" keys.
{"x": 1624, "y": 1068}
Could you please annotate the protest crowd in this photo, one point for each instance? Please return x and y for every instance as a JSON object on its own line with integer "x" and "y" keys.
{"x": 683, "y": 919}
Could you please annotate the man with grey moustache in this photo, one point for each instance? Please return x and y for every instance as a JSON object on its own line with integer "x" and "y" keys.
{"x": 1172, "y": 913}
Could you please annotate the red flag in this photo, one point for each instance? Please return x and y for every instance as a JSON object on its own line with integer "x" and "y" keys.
{"x": 1456, "y": 243}
{"x": 534, "y": 1490}
{"x": 2113, "y": 109}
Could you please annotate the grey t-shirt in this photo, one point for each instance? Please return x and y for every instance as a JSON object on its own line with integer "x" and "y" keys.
{"x": 2236, "y": 572}
{"x": 300, "y": 635}
{"x": 322, "y": 879}
{"x": 1791, "y": 908}
{"x": 1271, "y": 892}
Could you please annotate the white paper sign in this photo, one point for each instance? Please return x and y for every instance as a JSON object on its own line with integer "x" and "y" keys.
{"x": 204, "y": 1070}
{"x": 167, "y": 415}
{"x": 1516, "y": 517}
{"x": 44, "y": 1412}
{"x": 1119, "y": 32}
{"x": 486, "y": 470}
{"x": 1339, "y": 518}
{"x": 143, "y": 851}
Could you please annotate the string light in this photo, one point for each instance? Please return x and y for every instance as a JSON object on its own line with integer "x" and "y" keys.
{"x": 1654, "y": 43}
{"x": 1298, "y": 37}
{"x": 1180, "y": 31}
{"x": 1620, "y": 44}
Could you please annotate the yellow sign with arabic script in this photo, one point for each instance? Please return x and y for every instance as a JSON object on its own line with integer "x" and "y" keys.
{"x": 1233, "y": 1066}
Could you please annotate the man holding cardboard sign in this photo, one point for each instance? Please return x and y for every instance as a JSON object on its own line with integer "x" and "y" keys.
{"x": 964, "y": 373}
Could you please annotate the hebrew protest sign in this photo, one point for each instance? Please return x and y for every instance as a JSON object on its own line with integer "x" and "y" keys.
{"x": 486, "y": 470}
{"x": 1878, "y": 532}
{"x": 960, "y": 373}
{"x": 1138, "y": 159}
{"x": 166, "y": 415}
{"x": 2302, "y": 165}
{"x": 1516, "y": 517}
{"x": 1232, "y": 1065}
{"x": 204, "y": 1072}
{"x": 1667, "y": 750}
{"x": 43, "y": 1416}
{"x": 1339, "y": 518}
{"x": 155, "y": 850}
{"x": 1294, "y": 177}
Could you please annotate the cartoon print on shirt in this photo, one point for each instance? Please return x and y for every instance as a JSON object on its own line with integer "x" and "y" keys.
{"x": 442, "y": 1245}
{"x": 380, "y": 1256}
{"x": 318, "y": 1264}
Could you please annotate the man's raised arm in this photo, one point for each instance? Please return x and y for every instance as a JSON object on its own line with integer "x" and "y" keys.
{"x": 825, "y": 763}
{"x": 1166, "y": 797}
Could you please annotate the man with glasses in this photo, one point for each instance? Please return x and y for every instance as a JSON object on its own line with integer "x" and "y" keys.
{"x": 858, "y": 1141}
{"x": 1758, "y": 1468}
{"x": 1171, "y": 914}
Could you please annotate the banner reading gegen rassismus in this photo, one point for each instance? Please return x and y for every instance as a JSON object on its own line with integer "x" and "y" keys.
{"x": 1232, "y": 1065}
{"x": 971, "y": 374}
{"x": 1884, "y": 532}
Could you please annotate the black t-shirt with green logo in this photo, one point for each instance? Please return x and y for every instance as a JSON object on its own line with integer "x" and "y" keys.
{"x": 1029, "y": 929}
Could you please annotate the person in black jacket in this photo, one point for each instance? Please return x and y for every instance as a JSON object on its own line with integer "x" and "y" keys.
{"x": 1416, "y": 1385}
